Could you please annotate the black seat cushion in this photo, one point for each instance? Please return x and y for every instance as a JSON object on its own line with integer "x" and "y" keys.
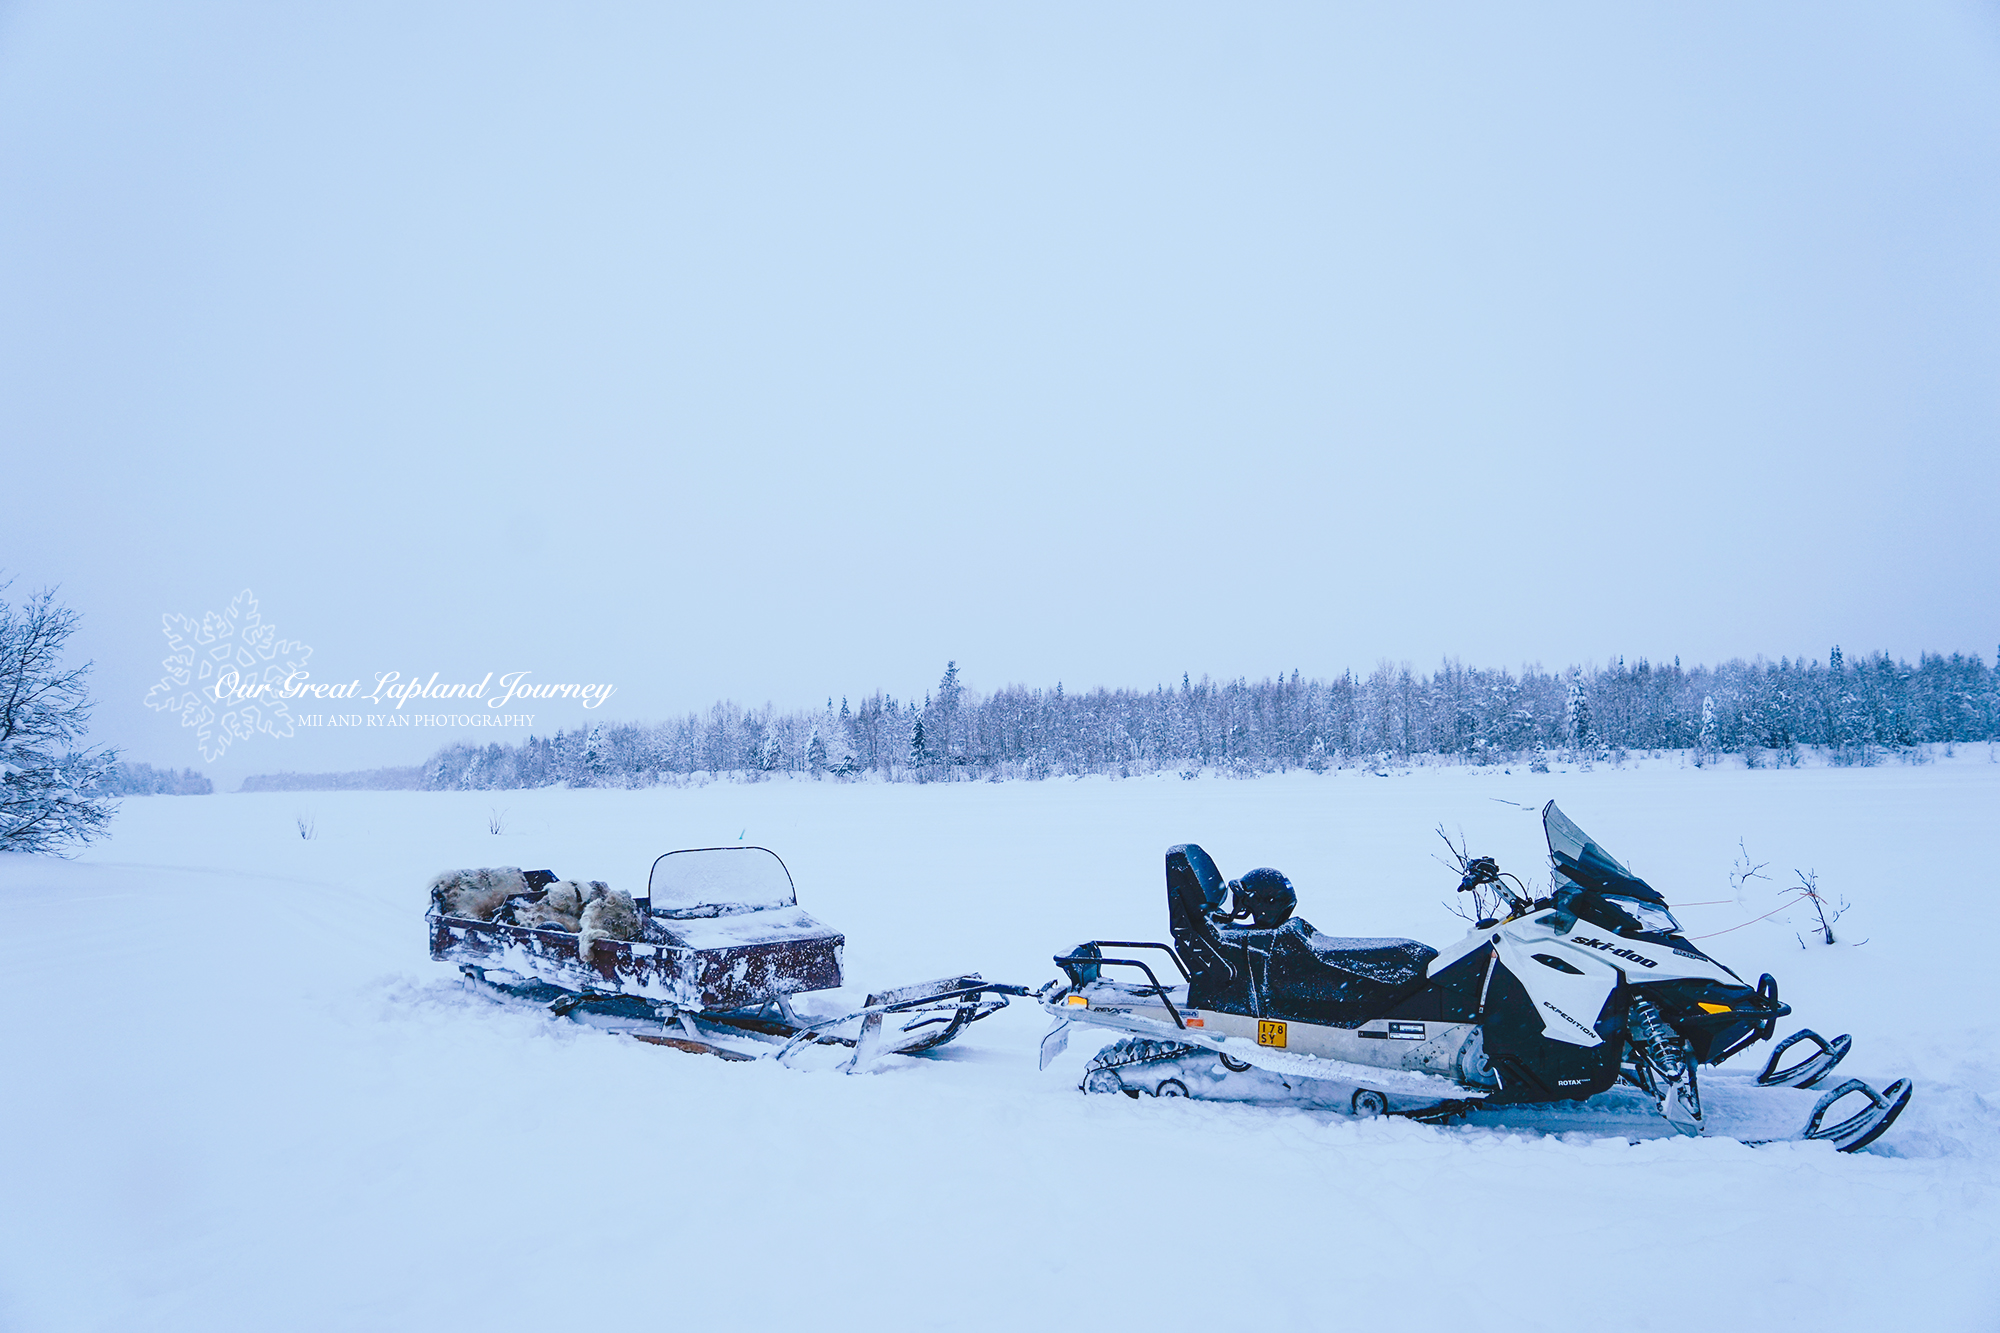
{"x": 1390, "y": 962}
{"x": 1295, "y": 973}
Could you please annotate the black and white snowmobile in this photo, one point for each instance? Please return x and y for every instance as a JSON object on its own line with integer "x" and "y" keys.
{"x": 1565, "y": 999}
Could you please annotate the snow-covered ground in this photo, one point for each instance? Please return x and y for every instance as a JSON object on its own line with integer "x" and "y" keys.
{"x": 240, "y": 1096}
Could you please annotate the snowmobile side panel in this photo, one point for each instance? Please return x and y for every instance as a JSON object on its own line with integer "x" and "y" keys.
{"x": 1566, "y": 994}
{"x": 1452, "y": 955}
{"x": 1530, "y": 1067}
{"x": 1451, "y": 995}
{"x": 1158, "y": 1066}
{"x": 1420, "y": 1047}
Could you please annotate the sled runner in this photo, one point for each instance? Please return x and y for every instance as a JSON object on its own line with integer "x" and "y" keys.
{"x": 1561, "y": 1001}
{"x": 719, "y": 950}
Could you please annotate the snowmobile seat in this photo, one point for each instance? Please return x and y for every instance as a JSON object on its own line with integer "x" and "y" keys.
{"x": 1389, "y": 962}
{"x": 1289, "y": 971}
{"x": 1299, "y": 974}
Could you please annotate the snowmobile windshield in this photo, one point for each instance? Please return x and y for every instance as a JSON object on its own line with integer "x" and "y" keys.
{"x": 1647, "y": 918}
{"x": 719, "y": 881}
{"x": 1577, "y": 860}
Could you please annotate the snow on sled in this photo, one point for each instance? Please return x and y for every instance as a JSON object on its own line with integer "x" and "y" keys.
{"x": 708, "y": 961}
{"x": 1590, "y": 996}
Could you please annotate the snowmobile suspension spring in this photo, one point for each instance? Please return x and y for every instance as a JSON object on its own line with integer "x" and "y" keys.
{"x": 1656, "y": 1038}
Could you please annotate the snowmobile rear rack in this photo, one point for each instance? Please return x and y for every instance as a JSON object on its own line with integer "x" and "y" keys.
{"x": 1078, "y": 965}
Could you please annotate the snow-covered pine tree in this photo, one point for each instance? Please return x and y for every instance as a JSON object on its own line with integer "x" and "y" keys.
{"x": 841, "y": 755}
{"x": 1849, "y": 738}
{"x": 1576, "y": 712}
{"x": 815, "y": 755}
{"x": 943, "y": 710}
{"x": 50, "y": 792}
{"x": 920, "y": 750}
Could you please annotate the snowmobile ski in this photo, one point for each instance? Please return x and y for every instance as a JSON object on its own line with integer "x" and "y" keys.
{"x": 1808, "y": 1070}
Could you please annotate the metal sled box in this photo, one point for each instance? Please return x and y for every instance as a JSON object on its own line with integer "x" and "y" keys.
{"x": 714, "y": 963}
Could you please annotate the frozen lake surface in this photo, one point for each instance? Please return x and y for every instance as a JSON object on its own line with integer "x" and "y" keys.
{"x": 241, "y": 1096}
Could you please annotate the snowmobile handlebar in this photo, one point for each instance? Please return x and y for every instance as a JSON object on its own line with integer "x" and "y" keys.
{"x": 1483, "y": 871}
{"x": 1479, "y": 870}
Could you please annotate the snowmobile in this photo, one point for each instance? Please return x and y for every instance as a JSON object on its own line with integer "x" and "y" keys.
{"x": 722, "y": 953}
{"x": 1591, "y": 994}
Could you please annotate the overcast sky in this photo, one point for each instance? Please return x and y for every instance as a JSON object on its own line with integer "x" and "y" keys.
{"x": 769, "y": 351}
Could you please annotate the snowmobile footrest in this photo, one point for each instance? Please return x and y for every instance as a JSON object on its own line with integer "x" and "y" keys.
{"x": 1864, "y": 1126}
{"x": 1809, "y": 1070}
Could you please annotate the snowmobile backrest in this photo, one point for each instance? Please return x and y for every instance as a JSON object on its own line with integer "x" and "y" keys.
{"x": 1194, "y": 889}
{"x": 719, "y": 881}
{"x": 1191, "y": 874}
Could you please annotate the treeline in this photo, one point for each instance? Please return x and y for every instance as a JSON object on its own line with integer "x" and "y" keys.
{"x": 1766, "y": 713}
{"x": 369, "y": 779}
{"x": 128, "y": 779}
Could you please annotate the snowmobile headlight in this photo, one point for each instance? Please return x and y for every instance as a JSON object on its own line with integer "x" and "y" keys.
{"x": 1076, "y": 1002}
{"x": 1651, "y": 917}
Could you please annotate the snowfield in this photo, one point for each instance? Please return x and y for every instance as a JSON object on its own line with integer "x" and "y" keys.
{"x": 241, "y": 1096}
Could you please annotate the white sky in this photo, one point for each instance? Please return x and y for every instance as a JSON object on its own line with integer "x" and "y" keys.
{"x": 776, "y": 351}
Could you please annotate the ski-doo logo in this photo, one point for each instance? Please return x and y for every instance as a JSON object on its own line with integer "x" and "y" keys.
{"x": 1613, "y": 950}
{"x": 1567, "y": 1019}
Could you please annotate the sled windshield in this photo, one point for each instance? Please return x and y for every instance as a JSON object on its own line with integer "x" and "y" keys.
{"x": 719, "y": 881}
{"x": 1580, "y": 861}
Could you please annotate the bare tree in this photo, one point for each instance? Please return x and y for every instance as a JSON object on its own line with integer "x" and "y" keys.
{"x": 51, "y": 793}
{"x": 1830, "y": 910}
{"x": 1744, "y": 871}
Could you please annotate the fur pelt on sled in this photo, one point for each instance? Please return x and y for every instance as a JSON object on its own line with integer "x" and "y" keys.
{"x": 559, "y": 908}
{"x": 608, "y": 914}
{"x": 592, "y": 910}
{"x": 477, "y": 894}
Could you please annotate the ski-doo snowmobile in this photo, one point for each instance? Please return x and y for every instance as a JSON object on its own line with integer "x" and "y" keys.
{"x": 1550, "y": 1000}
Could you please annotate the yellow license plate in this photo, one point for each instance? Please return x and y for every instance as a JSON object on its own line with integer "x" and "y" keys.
{"x": 1269, "y": 1033}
